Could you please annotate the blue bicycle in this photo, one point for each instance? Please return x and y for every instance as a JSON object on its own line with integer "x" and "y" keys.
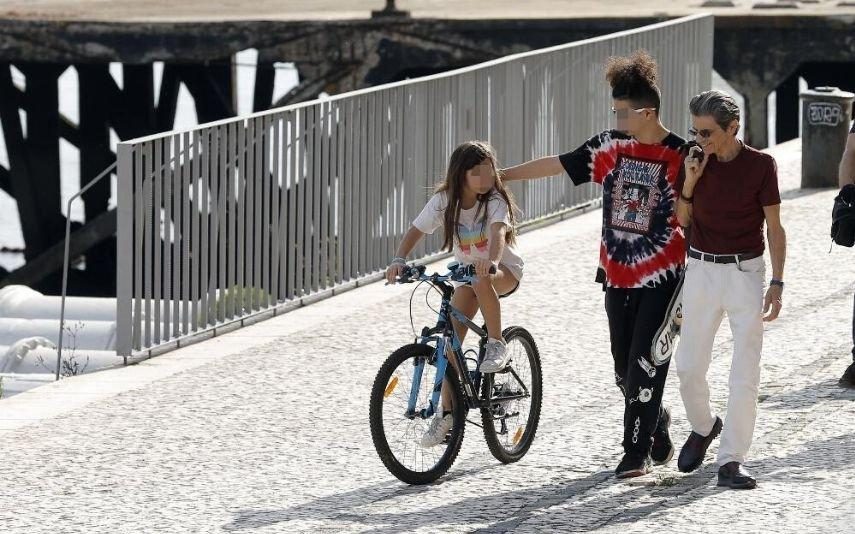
{"x": 406, "y": 393}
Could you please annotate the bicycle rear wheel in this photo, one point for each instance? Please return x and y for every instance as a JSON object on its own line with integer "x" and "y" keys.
{"x": 510, "y": 425}
{"x": 396, "y": 433}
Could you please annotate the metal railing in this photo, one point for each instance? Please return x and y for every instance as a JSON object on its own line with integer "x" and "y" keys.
{"x": 66, "y": 260}
{"x": 246, "y": 215}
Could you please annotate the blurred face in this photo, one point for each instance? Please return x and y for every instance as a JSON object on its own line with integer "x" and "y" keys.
{"x": 712, "y": 137}
{"x": 630, "y": 119}
{"x": 481, "y": 178}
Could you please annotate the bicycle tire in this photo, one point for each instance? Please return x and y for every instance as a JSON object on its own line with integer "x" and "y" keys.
{"x": 523, "y": 442}
{"x": 376, "y": 409}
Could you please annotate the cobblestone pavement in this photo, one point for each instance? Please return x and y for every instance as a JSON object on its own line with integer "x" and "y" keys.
{"x": 268, "y": 431}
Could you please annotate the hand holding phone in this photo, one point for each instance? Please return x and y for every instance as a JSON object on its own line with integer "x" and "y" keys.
{"x": 695, "y": 161}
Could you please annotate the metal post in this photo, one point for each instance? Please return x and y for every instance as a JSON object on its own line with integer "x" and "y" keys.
{"x": 390, "y": 11}
{"x": 125, "y": 248}
{"x": 65, "y": 260}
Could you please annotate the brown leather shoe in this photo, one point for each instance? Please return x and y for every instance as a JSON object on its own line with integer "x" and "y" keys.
{"x": 693, "y": 452}
{"x": 735, "y": 476}
{"x": 848, "y": 378}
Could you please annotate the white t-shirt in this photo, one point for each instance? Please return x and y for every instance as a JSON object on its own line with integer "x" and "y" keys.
{"x": 474, "y": 241}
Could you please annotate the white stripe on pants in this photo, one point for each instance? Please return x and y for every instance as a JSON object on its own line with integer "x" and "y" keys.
{"x": 709, "y": 291}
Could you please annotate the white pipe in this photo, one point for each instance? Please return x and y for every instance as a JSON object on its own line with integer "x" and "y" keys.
{"x": 21, "y": 302}
{"x": 94, "y": 335}
{"x": 11, "y": 357}
{"x": 25, "y": 303}
{"x": 42, "y": 359}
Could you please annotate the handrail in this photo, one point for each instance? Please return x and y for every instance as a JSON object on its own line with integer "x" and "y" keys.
{"x": 65, "y": 259}
{"x": 283, "y": 205}
{"x": 423, "y": 79}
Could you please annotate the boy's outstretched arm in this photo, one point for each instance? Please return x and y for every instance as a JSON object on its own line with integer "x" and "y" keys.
{"x": 536, "y": 168}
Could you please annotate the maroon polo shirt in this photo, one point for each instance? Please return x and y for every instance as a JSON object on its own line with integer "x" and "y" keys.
{"x": 727, "y": 211}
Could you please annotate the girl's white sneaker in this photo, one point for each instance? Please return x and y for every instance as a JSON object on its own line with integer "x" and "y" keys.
{"x": 495, "y": 357}
{"x": 436, "y": 432}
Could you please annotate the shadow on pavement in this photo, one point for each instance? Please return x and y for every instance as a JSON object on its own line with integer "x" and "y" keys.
{"x": 338, "y": 506}
{"x": 555, "y": 503}
{"x": 516, "y": 506}
{"x": 798, "y": 193}
{"x": 809, "y": 395}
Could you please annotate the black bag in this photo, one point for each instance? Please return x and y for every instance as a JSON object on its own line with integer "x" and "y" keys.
{"x": 843, "y": 217}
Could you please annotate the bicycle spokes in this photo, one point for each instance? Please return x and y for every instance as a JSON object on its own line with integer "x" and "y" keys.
{"x": 512, "y": 404}
{"x": 510, "y": 393}
{"x": 405, "y": 398}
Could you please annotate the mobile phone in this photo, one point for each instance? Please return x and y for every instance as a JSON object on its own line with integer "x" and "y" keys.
{"x": 692, "y": 150}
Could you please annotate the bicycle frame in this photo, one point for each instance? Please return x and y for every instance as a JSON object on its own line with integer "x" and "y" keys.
{"x": 446, "y": 338}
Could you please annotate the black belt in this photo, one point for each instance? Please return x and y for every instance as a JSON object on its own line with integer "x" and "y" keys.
{"x": 723, "y": 258}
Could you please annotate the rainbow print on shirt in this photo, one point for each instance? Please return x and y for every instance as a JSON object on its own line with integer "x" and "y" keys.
{"x": 472, "y": 237}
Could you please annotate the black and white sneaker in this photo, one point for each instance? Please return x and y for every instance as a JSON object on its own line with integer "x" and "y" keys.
{"x": 663, "y": 449}
{"x": 632, "y": 466}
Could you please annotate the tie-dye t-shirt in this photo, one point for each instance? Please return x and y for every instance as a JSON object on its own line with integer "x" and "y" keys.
{"x": 642, "y": 243}
{"x": 473, "y": 229}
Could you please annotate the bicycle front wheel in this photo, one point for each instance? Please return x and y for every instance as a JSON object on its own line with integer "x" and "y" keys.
{"x": 410, "y": 373}
{"x": 514, "y": 394}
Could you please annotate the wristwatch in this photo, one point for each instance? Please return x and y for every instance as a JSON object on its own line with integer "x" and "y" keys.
{"x": 776, "y": 282}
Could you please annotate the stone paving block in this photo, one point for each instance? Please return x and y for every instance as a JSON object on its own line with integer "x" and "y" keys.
{"x": 266, "y": 429}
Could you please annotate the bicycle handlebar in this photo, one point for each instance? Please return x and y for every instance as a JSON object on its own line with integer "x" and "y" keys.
{"x": 456, "y": 273}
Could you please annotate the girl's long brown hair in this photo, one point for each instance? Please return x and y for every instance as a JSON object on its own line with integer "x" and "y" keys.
{"x": 465, "y": 157}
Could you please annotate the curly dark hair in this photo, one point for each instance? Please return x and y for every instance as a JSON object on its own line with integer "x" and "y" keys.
{"x": 633, "y": 78}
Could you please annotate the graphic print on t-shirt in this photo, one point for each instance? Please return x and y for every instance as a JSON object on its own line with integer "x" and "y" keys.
{"x": 635, "y": 194}
{"x": 472, "y": 237}
{"x": 642, "y": 243}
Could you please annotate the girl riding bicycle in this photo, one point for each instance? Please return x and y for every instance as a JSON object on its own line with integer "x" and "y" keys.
{"x": 478, "y": 218}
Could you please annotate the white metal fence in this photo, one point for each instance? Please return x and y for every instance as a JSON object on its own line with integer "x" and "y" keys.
{"x": 250, "y": 214}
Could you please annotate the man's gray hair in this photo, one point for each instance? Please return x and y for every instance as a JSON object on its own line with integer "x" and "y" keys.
{"x": 716, "y": 104}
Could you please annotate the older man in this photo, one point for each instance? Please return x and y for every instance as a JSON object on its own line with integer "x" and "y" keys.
{"x": 847, "y": 176}
{"x": 730, "y": 191}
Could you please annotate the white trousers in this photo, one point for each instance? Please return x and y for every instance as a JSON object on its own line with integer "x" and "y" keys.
{"x": 710, "y": 291}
